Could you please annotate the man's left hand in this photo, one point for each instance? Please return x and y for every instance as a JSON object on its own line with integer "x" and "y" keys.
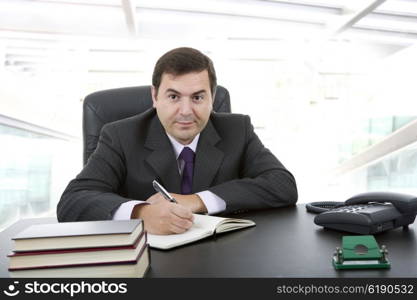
{"x": 193, "y": 202}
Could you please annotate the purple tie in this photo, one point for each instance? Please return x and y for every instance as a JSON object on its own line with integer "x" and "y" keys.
{"x": 187, "y": 174}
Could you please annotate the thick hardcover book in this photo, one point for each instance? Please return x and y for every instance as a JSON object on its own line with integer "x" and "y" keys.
{"x": 50, "y": 258}
{"x": 204, "y": 226}
{"x": 134, "y": 268}
{"x": 70, "y": 235}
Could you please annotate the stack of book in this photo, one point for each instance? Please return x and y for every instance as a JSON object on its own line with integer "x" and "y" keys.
{"x": 81, "y": 249}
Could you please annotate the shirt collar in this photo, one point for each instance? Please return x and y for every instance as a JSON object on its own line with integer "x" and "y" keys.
{"x": 178, "y": 146}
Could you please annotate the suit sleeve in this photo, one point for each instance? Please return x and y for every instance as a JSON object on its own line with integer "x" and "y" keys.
{"x": 92, "y": 195}
{"x": 264, "y": 181}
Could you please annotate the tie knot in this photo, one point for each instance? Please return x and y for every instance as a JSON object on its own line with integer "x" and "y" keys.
{"x": 187, "y": 155}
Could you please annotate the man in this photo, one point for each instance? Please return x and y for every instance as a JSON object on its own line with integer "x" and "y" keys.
{"x": 210, "y": 162}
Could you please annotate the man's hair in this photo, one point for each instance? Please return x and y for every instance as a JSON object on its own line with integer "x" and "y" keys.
{"x": 181, "y": 61}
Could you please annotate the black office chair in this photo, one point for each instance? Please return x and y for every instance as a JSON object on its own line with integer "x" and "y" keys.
{"x": 107, "y": 106}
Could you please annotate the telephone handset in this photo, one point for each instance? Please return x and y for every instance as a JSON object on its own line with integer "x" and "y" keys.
{"x": 366, "y": 213}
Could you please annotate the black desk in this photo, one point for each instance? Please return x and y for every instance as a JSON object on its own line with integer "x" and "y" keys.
{"x": 284, "y": 243}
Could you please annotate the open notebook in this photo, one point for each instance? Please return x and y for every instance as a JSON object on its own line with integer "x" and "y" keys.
{"x": 204, "y": 226}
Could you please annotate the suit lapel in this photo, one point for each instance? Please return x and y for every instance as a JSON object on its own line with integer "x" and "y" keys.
{"x": 162, "y": 159}
{"x": 208, "y": 158}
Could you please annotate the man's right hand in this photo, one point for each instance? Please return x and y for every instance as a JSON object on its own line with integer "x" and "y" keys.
{"x": 164, "y": 217}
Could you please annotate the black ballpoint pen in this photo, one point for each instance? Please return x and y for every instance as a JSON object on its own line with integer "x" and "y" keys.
{"x": 160, "y": 189}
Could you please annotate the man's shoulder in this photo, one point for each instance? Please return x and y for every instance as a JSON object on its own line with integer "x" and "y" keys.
{"x": 136, "y": 121}
{"x": 229, "y": 119}
{"x": 232, "y": 128}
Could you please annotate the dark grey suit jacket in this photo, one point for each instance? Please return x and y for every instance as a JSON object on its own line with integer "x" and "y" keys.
{"x": 230, "y": 161}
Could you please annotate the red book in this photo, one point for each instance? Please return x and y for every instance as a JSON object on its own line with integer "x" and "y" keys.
{"x": 132, "y": 268}
{"x": 72, "y": 257}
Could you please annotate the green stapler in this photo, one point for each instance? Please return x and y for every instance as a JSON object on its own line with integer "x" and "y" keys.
{"x": 360, "y": 252}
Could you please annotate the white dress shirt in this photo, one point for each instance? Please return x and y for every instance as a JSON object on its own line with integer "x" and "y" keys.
{"x": 213, "y": 203}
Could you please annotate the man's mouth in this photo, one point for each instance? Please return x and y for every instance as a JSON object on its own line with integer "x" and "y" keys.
{"x": 185, "y": 123}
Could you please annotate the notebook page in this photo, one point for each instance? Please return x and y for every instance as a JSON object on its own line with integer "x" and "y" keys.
{"x": 203, "y": 226}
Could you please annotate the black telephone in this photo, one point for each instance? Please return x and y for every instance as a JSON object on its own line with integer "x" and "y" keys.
{"x": 366, "y": 213}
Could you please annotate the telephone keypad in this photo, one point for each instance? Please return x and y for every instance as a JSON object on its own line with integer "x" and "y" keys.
{"x": 368, "y": 218}
{"x": 352, "y": 208}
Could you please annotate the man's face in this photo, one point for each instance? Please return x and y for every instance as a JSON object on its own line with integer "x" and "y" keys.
{"x": 183, "y": 104}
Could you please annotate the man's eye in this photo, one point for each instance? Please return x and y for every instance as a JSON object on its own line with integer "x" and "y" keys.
{"x": 198, "y": 98}
{"x": 173, "y": 97}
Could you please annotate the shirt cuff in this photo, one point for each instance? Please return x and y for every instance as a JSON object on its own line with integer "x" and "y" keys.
{"x": 125, "y": 210}
{"x": 213, "y": 203}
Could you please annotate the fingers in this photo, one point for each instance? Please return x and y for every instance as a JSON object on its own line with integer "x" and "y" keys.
{"x": 177, "y": 229}
{"x": 166, "y": 218}
{"x": 181, "y": 218}
{"x": 182, "y": 212}
{"x": 180, "y": 223}
{"x": 155, "y": 198}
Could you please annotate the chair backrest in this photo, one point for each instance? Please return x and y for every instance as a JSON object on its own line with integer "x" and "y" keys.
{"x": 107, "y": 106}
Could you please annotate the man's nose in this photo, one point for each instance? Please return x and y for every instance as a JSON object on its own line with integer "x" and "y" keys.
{"x": 186, "y": 107}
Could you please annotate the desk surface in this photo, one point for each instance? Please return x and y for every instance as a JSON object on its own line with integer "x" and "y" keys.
{"x": 284, "y": 243}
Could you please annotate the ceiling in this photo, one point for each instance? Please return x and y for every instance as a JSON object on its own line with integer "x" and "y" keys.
{"x": 33, "y": 32}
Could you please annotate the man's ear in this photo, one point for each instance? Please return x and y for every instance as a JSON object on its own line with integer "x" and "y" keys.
{"x": 212, "y": 100}
{"x": 154, "y": 92}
